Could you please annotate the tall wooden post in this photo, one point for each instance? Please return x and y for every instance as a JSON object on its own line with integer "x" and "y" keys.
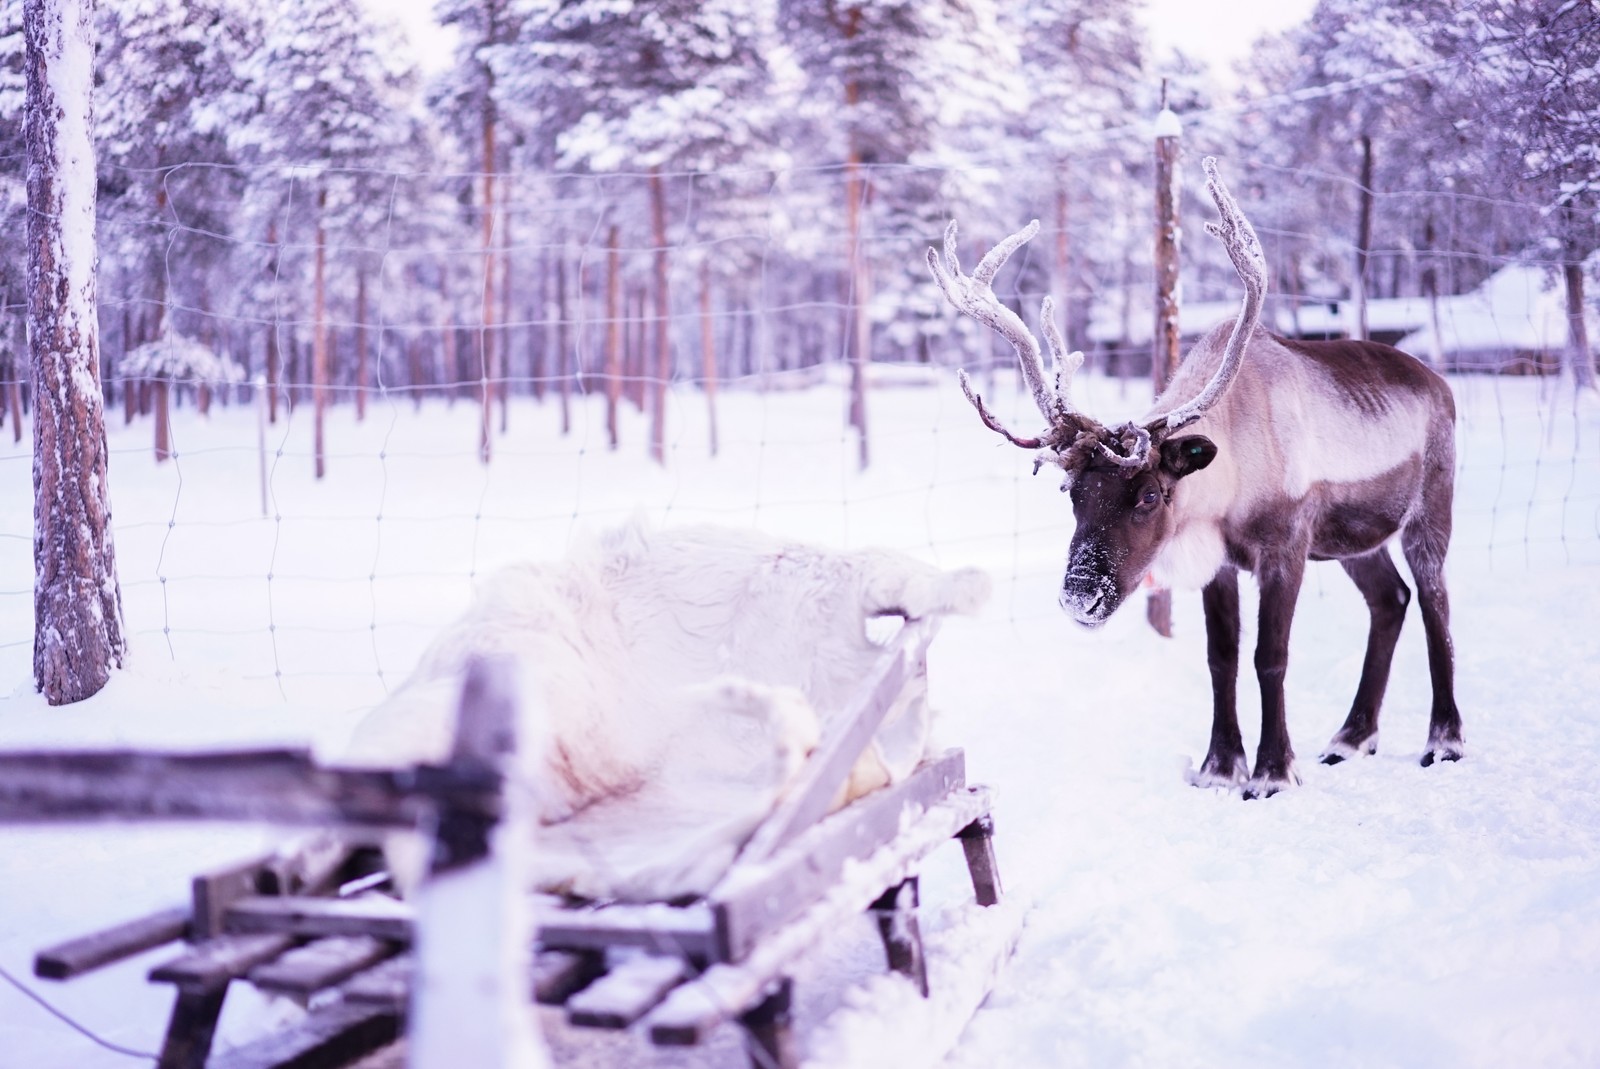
{"x": 1363, "y": 236}
{"x": 77, "y": 602}
{"x": 319, "y": 343}
{"x": 1164, "y": 350}
{"x": 613, "y": 357}
{"x": 663, "y": 337}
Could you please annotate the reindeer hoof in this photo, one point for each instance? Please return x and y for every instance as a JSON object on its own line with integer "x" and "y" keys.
{"x": 1443, "y": 750}
{"x": 1267, "y": 784}
{"x": 1341, "y": 750}
{"x": 1219, "y": 773}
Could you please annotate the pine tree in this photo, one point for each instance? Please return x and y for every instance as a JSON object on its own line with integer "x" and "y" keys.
{"x": 663, "y": 86}
{"x": 78, "y": 630}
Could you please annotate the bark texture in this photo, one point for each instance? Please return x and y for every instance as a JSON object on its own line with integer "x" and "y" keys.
{"x": 78, "y": 631}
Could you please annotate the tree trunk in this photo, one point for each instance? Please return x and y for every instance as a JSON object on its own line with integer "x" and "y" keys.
{"x": 539, "y": 330}
{"x": 319, "y": 344}
{"x": 78, "y": 628}
{"x": 489, "y": 369}
{"x": 613, "y": 358}
{"x": 663, "y": 354}
{"x": 274, "y": 360}
{"x": 502, "y": 387}
{"x": 861, "y": 329}
{"x": 1363, "y": 237}
{"x": 162, "y": 389}
{"x": 708, "y": 352}
{"x": 363, "y": 368}
{"x": 1164, "y": 354}
{"x": 1578, "y": 356}
{"x": 1063, "y": 271}
{"x": 563, "y": 342}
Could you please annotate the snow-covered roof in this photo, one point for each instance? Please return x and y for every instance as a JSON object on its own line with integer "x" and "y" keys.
{"x": 1520, "y": 307}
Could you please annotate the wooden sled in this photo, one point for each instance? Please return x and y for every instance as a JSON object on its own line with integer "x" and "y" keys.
{"x": 312, "y": 924}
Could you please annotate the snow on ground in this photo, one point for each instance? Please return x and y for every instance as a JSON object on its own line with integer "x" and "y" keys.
{"x": 1382, "y": 914}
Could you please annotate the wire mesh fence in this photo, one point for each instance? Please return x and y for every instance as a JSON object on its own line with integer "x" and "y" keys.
{"x": 474, "y": 394}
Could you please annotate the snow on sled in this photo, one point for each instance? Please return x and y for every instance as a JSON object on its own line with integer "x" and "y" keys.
{"x": 724, "y": 759}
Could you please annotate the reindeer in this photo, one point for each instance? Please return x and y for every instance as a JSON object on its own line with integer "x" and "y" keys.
{"x": 1294, "y": 451}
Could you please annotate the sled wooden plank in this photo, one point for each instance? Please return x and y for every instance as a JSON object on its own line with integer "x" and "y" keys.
{"x": 695, "y": 1008}
{"x": 334, "y": 1036}
{"x": 213, "y": 964}
{"x": 386, "y": 984}
{"x": 377, "y": 916}
{"x": 558, "y": 974}
{"x": 682, "y": 931}
{"x": 753, "y": 899}
{"x": 274, "y": 786}
{"x": 322, "y": 963}
{"x": 89, "y": 952}
{"x": 829, "y": 765}
{"x": 627, "y": 992}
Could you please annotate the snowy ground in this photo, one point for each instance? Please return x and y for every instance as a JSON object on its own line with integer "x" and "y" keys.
{"x": 1381, "y": 915}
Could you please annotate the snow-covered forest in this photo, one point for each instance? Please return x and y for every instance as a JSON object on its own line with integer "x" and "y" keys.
{"x": 370, "y": 329}
{"x": 630, "y": 194}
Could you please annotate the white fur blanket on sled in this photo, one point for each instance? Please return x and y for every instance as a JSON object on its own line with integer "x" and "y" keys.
{"x": 674, "y": 682}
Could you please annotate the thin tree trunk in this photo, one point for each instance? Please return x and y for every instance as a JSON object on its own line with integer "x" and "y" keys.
{"x": 503, "y": 385}
{"x": 274, "y": 359}
{"x": 1578, "y": 355}
{"x": 539, "y": 330}
{"x": 563, "y": 342}
{"x": 861, "y": 329}
{"x": 1063, "y": 278}
{"x": 708, "y": 352}
{"x": 363, "y": 368}
{"x": 1363, "y": 237}
{"x": 319, "y": 343}
{"x": 613, "y": 358}
{"x": 78, "y": 628}
{"x": 163, "y": 405}
{"x": 489, "y": 370}
{"x": 663, "y": 361}
{"x": 634, "y": 358}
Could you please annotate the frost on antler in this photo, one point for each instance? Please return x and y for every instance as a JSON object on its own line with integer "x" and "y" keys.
{"x": 973, "y": 295}
{"x": 1244, "y": 249}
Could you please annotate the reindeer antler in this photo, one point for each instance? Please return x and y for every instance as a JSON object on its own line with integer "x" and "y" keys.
{"x": 1244, "y": 249}
{"x": 974, "y": 295}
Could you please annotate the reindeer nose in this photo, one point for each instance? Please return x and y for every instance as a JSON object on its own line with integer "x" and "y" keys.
{"x": 1086, "y": 598}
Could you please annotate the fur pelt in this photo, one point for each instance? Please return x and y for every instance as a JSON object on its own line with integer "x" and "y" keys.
{"x": 675, "y": 662}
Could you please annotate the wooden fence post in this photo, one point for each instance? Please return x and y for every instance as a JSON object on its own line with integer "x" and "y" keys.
{"x": 1164, "y": 350}
{"x": 474, "y": 931}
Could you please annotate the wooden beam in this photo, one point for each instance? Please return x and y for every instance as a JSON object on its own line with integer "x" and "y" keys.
{"x": 377, "y": 916}
{"x": 683, "y": 931}
{"x": 305, "y": 970}
{"x": 386, "y": 984}
{"x": 89, "y": 952}
{"x": 558, "y": 974}
{"x": 828, "y": 767}
{"x": 334, "y": 1036}
{"x": 627, "y": 992}
{"x": 274, "y": 786}
{"x": 213, "y": 964}
{"x": 697, "y": 1007}
{"x": 191, "y": 1028}
{"x": 753, "y": 900}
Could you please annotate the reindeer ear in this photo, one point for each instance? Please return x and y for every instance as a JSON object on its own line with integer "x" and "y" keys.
{"x": 1187, "y": 455}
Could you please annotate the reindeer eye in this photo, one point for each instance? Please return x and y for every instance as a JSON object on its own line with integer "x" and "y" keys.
{"x": 1149, "y": 498}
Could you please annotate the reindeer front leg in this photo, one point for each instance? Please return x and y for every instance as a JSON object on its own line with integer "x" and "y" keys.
{"x": 1280, "y": 589}
{"x": 1225, "y": 762}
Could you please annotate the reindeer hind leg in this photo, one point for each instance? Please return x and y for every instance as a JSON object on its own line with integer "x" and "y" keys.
{"x": 1387, "y": 596}
{"x": 1425, "y": 541}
